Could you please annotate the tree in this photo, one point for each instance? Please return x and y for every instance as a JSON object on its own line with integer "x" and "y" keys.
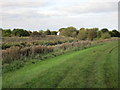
{"x": 6, "y": 33}
{"x": 41, "y": 32}
{"x": 47, "y": 32}
{"x": 30, "y": 32}
{"x": 99, "y": 34}
{"x": 92, "y": 33}
{"x": 26, "y": 33}
{"x": 53, "y": 32}
{"x": 111, "y": 33}
{"x": 105, "y": 35}
{"x": 20, "y": 32}
{"x": 104, "y": 30}
{"x": 68, "y": 32}
{"x": 82, "y": 35}
{"x": 115, "y": 33}
{"x": 82, "y": 29}
{"x": 61, "y": 29}
{"x": 74, "y": 34}
{"x": 35, "y": 34}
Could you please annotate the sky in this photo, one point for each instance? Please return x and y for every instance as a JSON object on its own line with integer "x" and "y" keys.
{"x": 56, "y": 14}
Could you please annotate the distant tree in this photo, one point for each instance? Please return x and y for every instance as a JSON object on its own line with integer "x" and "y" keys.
{"x": 35, "y": 34}
{"x": 41, "y": 32}
{"x": 26, "y": 33}
{"x": 6, "y": 33}
{"x": 111, "y": 34}
{"x": 72, "y": 31}
{"x": 82, "y": 29}
{"x": 29, "y": 32}
{"x": 99, "y": 34}
{"x": 115, "y": 33}
{"x": 92, "y": 33}
{"x": 53, "y": 32}
{"x": 105, "y": 35}
{"x": 74, "y": 34}
{"x": 61, "y": 29}
{"x": 20, "y": 32}
{"x": 69, "y": 31}
{"x": 82, "y": 35}
{"x": 104, "y": 30}
{"x": 48, "y": 32}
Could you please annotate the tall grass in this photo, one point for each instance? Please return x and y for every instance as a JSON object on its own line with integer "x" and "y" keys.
{"x": 18, "y": 53}
{"x": 16, "y": 57}
{"x": 30, "y": 41}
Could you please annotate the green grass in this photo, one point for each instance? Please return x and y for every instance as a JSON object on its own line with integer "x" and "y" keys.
{"x": 95, "y": 67}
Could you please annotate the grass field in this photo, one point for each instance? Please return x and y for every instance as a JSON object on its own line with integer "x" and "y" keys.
{"x": 95, "y": 67}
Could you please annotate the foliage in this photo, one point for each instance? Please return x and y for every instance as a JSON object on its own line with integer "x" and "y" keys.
{"x": 92, "y": 33}
{"x": 6, "y": 33}
{"x": 38, "y": 40}
{"x": 87, "y": 34}
{"x": 75, "y": 69}
{"x": 115, "y": 33}
{"x": 104, "y": 30}
{"x": 35, "y": 34}
{"x": 105, "y": 35}
{"x": 20, "y": 32}
{"x": 48, "y": 32}
{"x": 99, "y": 34}
{"x": 18, "y": 53}
{"x": 42, "y": 33}
{"x": 69, "y": 31}
{"x": 82, "y": 35}
{"x": 53, "y": 32}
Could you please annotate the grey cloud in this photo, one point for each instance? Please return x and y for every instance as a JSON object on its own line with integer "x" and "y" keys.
{"x": 26, "y": 9}
{"x": 110, "y": 21}
{"x": 42, "y": 14}
{"x": 23, "y": 3}
{"x": 92, "y": 7}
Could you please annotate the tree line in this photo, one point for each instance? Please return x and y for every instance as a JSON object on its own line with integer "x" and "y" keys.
{"x": 81, "y": 34}
{"x": 23, "y": 33}
{"x": 88, "y": 33}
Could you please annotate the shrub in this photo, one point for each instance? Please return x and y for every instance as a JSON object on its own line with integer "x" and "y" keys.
{"x": 17, "y": 53}
{"x": 11, "y": 54}
{"x": 105, "y": 35}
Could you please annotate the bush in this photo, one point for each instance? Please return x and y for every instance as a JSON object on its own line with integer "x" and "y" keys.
{"x": 105, "y": 35}
{"x": 82, "y": 35}
{"x": 20, "y": 32}
{"x": 17, "y": 53}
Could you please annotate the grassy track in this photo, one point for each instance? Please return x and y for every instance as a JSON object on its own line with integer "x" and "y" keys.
{"x": 95, "y": 67}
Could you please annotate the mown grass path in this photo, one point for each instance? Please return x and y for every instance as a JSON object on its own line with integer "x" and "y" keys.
{"x": 95, "y": 67}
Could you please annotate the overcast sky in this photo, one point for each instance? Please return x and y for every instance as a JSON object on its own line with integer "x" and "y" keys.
{"x": 55, "y": 14}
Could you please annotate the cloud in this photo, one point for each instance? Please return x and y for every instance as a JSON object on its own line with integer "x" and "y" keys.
{"x": 22, "y": 3}
{"x": 103, "y": 0}
{"x": 32, "y": 8}
{"x": 57, "y": 13}
{"x": 92, "y": 7}
{"x": 88, "y": 21}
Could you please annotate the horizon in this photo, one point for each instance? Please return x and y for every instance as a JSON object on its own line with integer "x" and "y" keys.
{"x": 46, "y": 14}
{"x": 58, "y": 29}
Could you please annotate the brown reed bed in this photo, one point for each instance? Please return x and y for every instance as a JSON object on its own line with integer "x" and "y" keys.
{"x": 18, "y": 53}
